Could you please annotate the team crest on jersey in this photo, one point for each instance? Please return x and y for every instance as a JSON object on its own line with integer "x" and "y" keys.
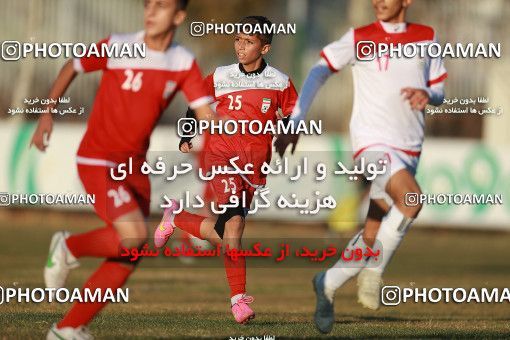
{"x": 169, "y": 89}
{"x": 266, "y": 104}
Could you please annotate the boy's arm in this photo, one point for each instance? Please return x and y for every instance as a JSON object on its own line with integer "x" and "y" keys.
{"x": 72, "y": 67}
{"x": 203, "y": 112}
{"x": 197, "y": 93}
{"x": 334, "y": 57}
{"x": 433, "y": 93}
{"x": 45, "y": 125}
{"x": 437, "y": 76}
{"x": 317, "y": 76}
{"x": 288, "y": 101}
{"x": 185, "y": 144}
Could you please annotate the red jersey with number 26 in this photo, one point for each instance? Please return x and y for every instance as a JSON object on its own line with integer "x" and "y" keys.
{"x": 132, "y": 95}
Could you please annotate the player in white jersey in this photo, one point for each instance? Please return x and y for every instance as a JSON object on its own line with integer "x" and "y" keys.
{"x": 387, "y": 124}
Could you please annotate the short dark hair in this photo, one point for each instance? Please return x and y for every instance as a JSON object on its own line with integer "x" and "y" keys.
{"x": 253, "y": 20}
{"x": 182, "y": 4}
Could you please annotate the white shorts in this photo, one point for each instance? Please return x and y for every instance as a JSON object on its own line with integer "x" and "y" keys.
{"x": 396, "y": 160}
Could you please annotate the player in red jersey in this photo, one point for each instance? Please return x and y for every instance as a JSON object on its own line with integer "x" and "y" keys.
{"x": 247, "y": 90}
{"x": 132, "y": 95}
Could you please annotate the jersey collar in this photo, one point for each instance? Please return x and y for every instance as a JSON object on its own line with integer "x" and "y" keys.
{"x": 388, "y": 27}
{"x": 258, "y": 71}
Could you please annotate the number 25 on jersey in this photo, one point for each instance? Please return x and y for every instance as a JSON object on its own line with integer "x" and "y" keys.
{"x": 235, "y": 102}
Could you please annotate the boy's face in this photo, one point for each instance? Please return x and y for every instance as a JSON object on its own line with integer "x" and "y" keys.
{"x": 249, "y": 48}
{"x": 385, "y": 10}
{"x": 162, "y": 16}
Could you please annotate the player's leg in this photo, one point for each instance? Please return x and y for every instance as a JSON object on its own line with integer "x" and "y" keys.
{"x": 200, "y": 226}
{"x": 66, "y": 249}
{"x": 326, "y": 283}
{"x": 342, "y": 271}
{"x": 104, "y": 242}
{"x": 230, "y": 227}
{"x": 393, "y": 226}
{"x": 235, "y": 269}
{"x": 400, "y": 216}
{"x": 197, "y": 225}
{"x": 377, "y": 211}
{"x": 126, "y": 229}
{"x": 187, "y": 239}
{"x": 191, "y": 241}
{"x": 227, "y": 230}
{"x": 112, "y": 273}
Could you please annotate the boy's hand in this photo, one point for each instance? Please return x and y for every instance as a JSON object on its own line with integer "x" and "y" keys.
{"x": 42, "y": 134}
{"x": 186, "y": 147}
{"x": 418, "y": 98}
{"x": 283, "y": 141}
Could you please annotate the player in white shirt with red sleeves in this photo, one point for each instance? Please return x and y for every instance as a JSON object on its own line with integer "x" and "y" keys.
{"x": 387, "y": 124}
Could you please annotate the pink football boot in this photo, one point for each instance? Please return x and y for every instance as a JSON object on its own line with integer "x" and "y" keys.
{"x": 242, "y": 312}
{"x": 166, "y": 228}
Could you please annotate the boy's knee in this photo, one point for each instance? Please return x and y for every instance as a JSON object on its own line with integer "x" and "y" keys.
{"x": 235, "y": 222}
{"x": 132, "y": 234}
{"x": 234, "y": 227}
{"x": 410, "y": 210}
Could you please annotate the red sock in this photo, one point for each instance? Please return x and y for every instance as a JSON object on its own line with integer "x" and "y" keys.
{"x": 101, "y": 242}
{"x": 189, "y": 223}
{"x": 236, "y": 274}
{"x": 110, "y": 274}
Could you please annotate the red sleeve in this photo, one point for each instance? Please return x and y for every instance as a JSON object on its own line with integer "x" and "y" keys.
{"x": 209, "y": 84}
{"x": 194, "y": 87}
{"x": 92, "y": 62}
{"x": 288, "y": 99}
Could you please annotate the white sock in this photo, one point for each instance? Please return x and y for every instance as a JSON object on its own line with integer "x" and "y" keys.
{"x": 391, "y": 232}
{"x": 235, "y": 298}
{"x": 342, "y": 271}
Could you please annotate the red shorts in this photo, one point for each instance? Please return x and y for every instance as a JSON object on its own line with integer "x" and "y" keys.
{"x": 218, "y": 152}
{"x": 115, "y": 198}
{"x": 225, "y": 186}
{"x": 208, "y": 191}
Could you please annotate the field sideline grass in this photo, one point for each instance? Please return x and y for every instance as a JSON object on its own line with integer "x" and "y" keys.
{"x": 193, "y": 302}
